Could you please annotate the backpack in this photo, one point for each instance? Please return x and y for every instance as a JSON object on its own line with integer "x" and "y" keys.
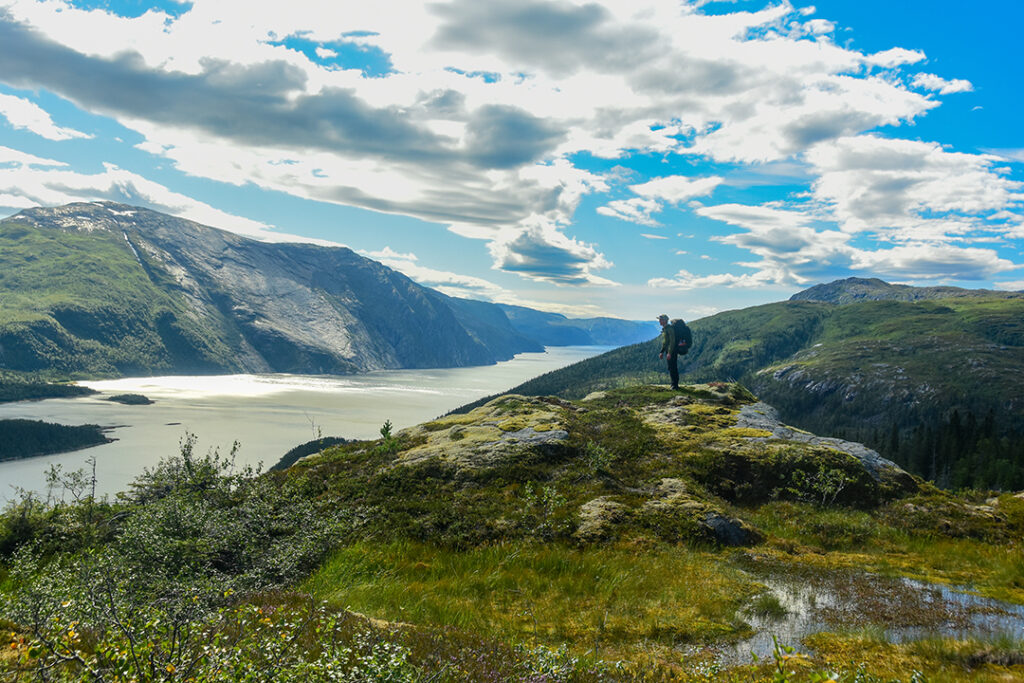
{"x": 684, "y": 338}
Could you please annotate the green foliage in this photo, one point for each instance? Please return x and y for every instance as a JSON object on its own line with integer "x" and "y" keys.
{"x": 388, "y": 444}
{"x": 77, "y": 303}
{"x": 131, "y": 399}
{"x": 26, "y": 438}
{"x": 475, "y": 563}
{"x": 778, "y": 473}
{"x": 16, "y": 389}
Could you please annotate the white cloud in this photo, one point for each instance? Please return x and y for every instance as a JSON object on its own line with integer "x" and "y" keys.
{"x": 27, "y": 115}
{"x": 390, "y": 254}
{"x": 432, "y": 138}
{"x": 895, "y": 57}
{"x": 676, "y": 188}
{"x": 908, "y": 190}
{"x": 26, "y": 186}
{"x": 1010, "y": 286}
{"x": 930, "y": 261}
{"x": 1008, "y": 154}
{"x": 653, "y": 237}
{"x": 636, "y": 210}
{"x": 14, "y": 156}
{"x": 941, "y": 85}
{"x": 452, "y": 284}
{"x": 685, "y": 280}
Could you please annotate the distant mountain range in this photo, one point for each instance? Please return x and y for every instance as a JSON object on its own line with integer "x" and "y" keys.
{"x": 933, "y": 377}
{"x": 108, "y": 289}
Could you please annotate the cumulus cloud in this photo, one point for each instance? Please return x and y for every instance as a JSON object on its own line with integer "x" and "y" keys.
{"x": 883, "y": 207}
{"x": 941, "y": 85}
{"x": 27, "y": 115}
{"x": 654, "y": 194}
{"x": 908, "y": 190}
{"x": 452, "y": 284}
{"x": 546, "y": 254}
{"x": 475, "y": 124}
{"x": 685, "y": 280}
{"x": 895, "y": 57}
{"x": 1011, "y": 285}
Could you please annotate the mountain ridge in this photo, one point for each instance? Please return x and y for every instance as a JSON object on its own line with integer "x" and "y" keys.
{"x": 106, "y": 288}
{"x": 854, "y": 289}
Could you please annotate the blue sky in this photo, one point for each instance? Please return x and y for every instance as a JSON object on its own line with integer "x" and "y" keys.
{"x": 601, "y": 157}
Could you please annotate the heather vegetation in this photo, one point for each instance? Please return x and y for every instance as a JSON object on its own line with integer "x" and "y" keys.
{"x": 633, "y": 536}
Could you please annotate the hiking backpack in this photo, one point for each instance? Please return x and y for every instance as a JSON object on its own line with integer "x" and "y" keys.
{"x": 684, "y": 338}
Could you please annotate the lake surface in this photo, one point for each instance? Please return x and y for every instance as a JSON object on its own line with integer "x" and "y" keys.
{"x": 267, "y": 414}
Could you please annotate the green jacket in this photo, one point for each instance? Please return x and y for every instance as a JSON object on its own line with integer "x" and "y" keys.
{"x": 668, "y": 338}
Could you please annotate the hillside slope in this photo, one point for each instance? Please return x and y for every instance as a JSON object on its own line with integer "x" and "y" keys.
{"x": 636, "y": 535}
{"x": 894, "y": 373}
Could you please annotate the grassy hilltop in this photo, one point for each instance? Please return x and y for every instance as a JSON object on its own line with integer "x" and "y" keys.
{"x": 637, "y": 535}
{"x": 934, "y": 384}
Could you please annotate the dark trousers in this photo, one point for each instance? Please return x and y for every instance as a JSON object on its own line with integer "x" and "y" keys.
{"x": 673, "y": 368}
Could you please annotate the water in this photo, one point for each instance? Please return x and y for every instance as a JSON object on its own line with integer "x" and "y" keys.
{"x": 897, "y": 609}
{"x": 267, "y": 414}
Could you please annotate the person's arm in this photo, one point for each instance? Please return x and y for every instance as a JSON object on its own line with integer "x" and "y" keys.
{"x": 669, "y": 345}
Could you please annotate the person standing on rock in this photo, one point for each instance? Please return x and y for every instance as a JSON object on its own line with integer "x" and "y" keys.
{"x": 676, "y": 340}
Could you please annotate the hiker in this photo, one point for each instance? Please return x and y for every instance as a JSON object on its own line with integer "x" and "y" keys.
{"x": 675, "y": 341}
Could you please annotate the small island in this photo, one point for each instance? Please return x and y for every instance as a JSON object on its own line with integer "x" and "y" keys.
{"x": 131, "y": 399}
{"x": 27, "y": 438}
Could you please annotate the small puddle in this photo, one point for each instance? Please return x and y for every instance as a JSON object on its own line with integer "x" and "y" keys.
{"x": 799, "y": 601}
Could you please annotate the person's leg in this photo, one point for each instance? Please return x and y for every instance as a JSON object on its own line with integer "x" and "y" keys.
{"x": 673, "y": 369}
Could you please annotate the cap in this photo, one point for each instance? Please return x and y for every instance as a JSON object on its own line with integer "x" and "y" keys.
{"x": 662, "y": 317}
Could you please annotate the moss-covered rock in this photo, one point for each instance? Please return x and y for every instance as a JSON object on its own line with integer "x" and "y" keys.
{"x": 488, "y": 434}
{"x": 635, "y": 463}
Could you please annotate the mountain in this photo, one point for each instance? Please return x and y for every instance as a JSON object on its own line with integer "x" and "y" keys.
{"x": 933, "y": 383}
{"x": 856, "y": 289}
{"x": 554, "y": 329}
{"x": 105, "y": 288}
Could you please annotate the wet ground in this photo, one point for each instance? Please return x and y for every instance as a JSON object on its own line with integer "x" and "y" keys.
{"x": 800, "y": 601}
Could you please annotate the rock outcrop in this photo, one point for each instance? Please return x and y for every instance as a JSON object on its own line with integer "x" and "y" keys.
{"x": 630, "y": 463}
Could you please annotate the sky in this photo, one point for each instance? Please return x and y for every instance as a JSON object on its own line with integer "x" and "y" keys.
{"x": 606, "y": 157}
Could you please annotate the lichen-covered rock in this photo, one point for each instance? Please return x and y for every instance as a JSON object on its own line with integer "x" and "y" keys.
{"x": 764, "y": 417}
{"x": 488, "y": 434}
{"x": 598, "y": 518}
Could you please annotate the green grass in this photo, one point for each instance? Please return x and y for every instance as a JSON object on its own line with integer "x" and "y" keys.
{"x": 603, "y": 597}
{"x": 876, "y": 542}
{"x": 477, "y": 568}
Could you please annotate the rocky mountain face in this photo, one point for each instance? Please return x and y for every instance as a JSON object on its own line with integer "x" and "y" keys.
{"x": 114, "y": 289}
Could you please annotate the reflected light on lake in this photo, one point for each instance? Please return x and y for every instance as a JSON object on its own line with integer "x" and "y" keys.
{"x": 267, "y": 414}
